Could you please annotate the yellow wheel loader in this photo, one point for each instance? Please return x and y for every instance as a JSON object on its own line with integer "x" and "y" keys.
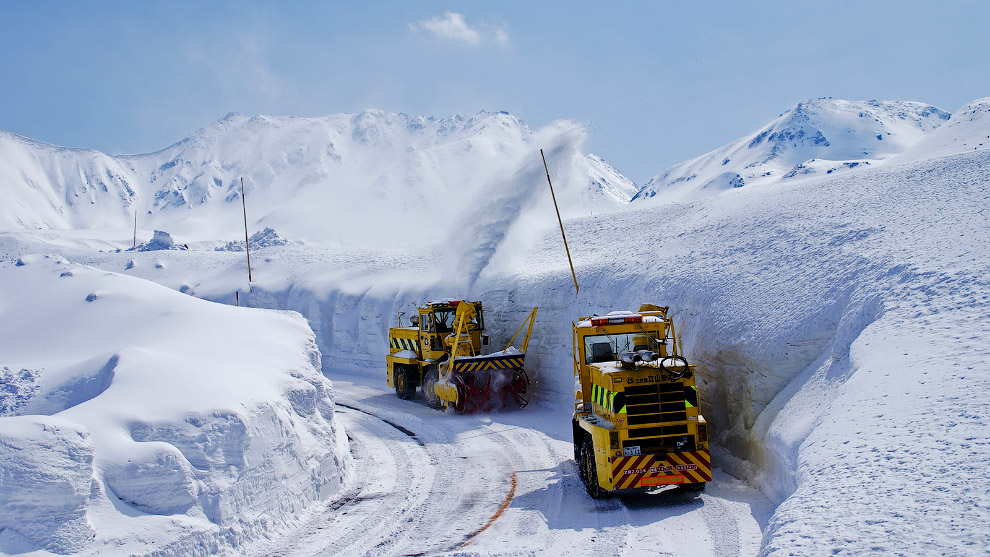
{"x": 637, "y": 422}
{"x": 440, "y": 352}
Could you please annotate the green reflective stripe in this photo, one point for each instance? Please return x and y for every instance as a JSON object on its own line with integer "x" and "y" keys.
{"x": 693, "y": 396}
{"x": 604, "y": 398}
{"x": 623, "y": 411}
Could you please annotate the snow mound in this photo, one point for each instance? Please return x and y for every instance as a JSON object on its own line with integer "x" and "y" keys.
{"x": 267, "y": 238}
{"x": 816, "y": 137}
{"x": 160, "y": 241}
{"x": 153, "y": 411}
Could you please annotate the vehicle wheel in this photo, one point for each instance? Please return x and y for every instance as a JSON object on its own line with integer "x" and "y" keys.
{"x": 590, "y": 469}
{"x": 404, "y": 386}
{"x": 579, "y": 459}
{"x": 694, "y": 488}
{"x": 429, "y": 380}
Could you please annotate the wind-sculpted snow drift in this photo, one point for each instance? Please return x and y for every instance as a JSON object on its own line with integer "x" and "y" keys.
{"x": 144, "y": 413}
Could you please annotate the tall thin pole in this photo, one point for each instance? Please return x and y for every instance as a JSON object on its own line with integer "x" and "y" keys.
{"x": 247, "y": 248}
{"x": 573, "y": 274}
{"x": 135, "y": 229}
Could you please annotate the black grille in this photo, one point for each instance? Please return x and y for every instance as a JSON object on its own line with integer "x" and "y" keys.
{"x": 677, "y": 429}
{"x": 640, "y": 419}
{"x": 659, "y": 402}
{"x": 656, "y": 405}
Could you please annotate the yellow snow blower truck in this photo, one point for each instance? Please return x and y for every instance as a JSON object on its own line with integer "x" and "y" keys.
{"x": 637, "y": 423}
{"x": 441, "y": 353}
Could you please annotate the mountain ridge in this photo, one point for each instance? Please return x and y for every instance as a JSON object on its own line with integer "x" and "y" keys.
{"x": 341, "y": 163}
{"x": 817, "y": 136}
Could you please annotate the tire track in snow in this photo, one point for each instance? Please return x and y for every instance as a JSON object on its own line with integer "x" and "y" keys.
{"x": 392, "y": 488}
{"x": 429, "y": 483}
{"x": 722, "y": 526}
{"x": 533, "y": 453}
{"x": 437, "y": 494}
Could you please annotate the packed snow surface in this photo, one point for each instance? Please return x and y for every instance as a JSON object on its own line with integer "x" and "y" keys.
{"x": 837, "y": 321}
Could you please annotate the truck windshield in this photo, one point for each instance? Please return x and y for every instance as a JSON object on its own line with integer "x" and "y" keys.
{"x": 444, "y": 319}
{"x": 606, "y": 348}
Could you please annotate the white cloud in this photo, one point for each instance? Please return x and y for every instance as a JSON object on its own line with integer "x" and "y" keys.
{"x": 452, "y": 27}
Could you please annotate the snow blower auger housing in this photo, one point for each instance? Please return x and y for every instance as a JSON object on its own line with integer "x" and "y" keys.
{"x": 441, "y": 353}
{"x": 637, "y": 423}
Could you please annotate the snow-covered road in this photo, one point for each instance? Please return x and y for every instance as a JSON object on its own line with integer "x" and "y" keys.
{"x": 502, "y": 483}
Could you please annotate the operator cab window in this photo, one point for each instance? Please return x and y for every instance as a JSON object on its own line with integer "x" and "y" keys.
{"x": 605, "y": 348}
{"x": 444, "y": 320}
{"x": 600, "y": 352}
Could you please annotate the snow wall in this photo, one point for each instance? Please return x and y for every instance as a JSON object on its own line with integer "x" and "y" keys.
{"x": 838, "y": 326}
{"x": 140, "y": 413}
{"x": 813, "y": 311}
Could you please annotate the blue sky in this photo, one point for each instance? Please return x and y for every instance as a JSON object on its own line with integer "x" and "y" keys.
{"x": 654, "y": 82}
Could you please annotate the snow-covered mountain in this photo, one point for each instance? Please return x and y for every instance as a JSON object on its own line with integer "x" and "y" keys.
{"x": 966, "y": 131}
{"x": 352, "y": 169}
{"x": 817, "y": 137}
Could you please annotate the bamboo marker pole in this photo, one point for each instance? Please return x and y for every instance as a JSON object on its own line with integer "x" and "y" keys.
{"x": 135, "y": 228}
{"x": 247, "y": 248}
{"x": 559, "y": 221}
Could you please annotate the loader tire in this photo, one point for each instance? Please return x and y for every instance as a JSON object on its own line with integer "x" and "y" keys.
{"x": 405, "y": 388}
{"x": 590, "y": 470}
{"x": 430, "y": 379}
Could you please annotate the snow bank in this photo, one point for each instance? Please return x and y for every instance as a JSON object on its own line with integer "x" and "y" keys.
{"x": 47, "y": 467}
{"x": 835, "y": 324}
{"x": 136, "y": 415}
